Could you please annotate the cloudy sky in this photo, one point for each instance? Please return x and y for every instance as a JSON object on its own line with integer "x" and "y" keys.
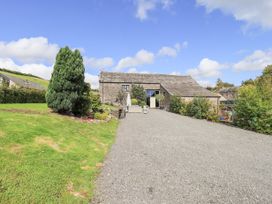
{"x": 207, "y": 39}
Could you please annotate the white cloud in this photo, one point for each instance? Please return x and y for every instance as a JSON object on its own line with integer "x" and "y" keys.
{"x": 142, "y": 57}
{"x": 134, "y": 70}
{"x": 205, "y": 83}
{"x": 254, "y": 12}
{"x": 167, "y": 51}
{"x": 175, "y": 73}
{"x": 258, "y": 60}
{"x": 29, "y": 50}
{"x": 172, "y": 51}
{"x": 145, "y": 6}
{"x": 40, "y": 70}
{"x": 206, "y": 68}
{"x": 98, "y": 63}
{"x": 93, "y": 80}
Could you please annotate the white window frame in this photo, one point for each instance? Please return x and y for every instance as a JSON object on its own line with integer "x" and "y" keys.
{"x": 125, "y": 87}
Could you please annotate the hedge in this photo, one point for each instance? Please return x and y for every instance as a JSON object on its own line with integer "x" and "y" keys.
{"x": 21, "y": 95}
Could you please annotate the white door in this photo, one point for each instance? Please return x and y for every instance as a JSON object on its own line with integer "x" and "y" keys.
{"x": 152, "y": 102}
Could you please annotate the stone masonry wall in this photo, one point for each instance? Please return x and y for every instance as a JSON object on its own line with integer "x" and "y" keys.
{"x": 109, "y": 91}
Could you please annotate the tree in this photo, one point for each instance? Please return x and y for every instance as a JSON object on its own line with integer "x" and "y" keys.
{"x": 254, "y": 104}
{"x": 121, "y": 97}
{"x": 248, "y": 82}
{"x": 252, "y": 110}
{"x": 267, "y": 70}
{"x": 138, "y": 92}
{"x": 220, "y": 84}
{"x": 67, "y": 92}
{"x": 264, "y": 84}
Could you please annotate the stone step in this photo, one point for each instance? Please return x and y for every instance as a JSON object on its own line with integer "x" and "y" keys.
{"x": 135, "y": 109}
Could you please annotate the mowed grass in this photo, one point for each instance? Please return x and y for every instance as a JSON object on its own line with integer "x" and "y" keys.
{"x": 42, "y": 82}
{"x": 48, "y": 158}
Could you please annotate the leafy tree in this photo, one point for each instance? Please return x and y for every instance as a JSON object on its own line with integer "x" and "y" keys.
{"x": 138, "y": 92}
{"x": 121, "y": 97}
{"x": 253, "y": 107}
{"x": 251, "y": 111}
{"x": 67, "y": 92}
{"x": 264, "y": 84}
{"x": 220, "y": 84}
{"x": 248, "y": 82}
{"x": 267, "y": 71}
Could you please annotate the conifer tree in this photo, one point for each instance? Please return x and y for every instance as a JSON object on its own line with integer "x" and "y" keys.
{"x": 67, "y": 92}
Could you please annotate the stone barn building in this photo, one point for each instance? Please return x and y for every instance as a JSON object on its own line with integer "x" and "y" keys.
{"x": 185, "y": 87}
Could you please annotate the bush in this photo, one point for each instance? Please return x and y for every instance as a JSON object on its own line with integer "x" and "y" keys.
{"x": 177, "y": 105}
{"x": 142, "y": 103}
{"x": 212, "y": 116}
{"x": 198, "y": 108}
{"x": 101, "y": 116}
{"x": 21, "y": 95}
{"x": 96, "y": 105}
{"x": 134, "y": 101}
{"x": 67, "y": 92}
{"x": 138, "y": 92}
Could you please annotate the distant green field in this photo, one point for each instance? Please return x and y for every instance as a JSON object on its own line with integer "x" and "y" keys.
{"x": 42, "y": 82}
{"x": 49, "y": 158}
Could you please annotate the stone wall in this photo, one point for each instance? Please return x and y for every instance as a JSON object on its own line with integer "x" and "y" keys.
{"x": 109, "y": 91}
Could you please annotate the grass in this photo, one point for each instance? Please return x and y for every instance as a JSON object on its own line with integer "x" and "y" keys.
{"x": 48, "y": 158}
{"x": 42, "y": 82}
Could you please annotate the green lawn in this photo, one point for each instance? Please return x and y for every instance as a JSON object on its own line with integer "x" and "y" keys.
{"x": 42, "y": 82}
{"x": 48, "y": 158}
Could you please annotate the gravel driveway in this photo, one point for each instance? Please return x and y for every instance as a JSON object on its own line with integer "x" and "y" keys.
{"x": 167, "y": 158}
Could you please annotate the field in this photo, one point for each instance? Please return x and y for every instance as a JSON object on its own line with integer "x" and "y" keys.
{"x": 40, "y": 81}
{"x": 48, "y": 158}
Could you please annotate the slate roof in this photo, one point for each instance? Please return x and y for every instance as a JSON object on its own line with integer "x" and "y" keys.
{"x": 175, "y": 85}
{"x": 22, "y": 83}
{"x": 229, "y": 93}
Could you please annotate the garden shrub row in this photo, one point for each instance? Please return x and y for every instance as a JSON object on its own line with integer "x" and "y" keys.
{"x": 21, "y": 95}
{"x": 199, "y": 108}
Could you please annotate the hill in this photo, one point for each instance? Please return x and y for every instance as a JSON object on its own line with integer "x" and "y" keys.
{"x": 24, "y": 76}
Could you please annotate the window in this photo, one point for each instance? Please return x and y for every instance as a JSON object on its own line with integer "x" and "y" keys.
{"x": 125, "y": 88}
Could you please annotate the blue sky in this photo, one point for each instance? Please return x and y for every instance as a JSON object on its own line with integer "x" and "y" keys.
{"x": 207, "y": 39}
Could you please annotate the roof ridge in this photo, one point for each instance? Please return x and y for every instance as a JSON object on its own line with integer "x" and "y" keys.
{"x": 156, "y": 74}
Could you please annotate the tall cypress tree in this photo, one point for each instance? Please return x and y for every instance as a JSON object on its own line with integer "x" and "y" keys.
{"x": 67, "y": 92}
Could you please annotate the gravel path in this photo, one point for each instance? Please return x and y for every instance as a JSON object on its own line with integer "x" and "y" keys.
{"x": 166, "y": 158}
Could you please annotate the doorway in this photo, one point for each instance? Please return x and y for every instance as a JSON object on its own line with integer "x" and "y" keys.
{"x": 151, "y": 100}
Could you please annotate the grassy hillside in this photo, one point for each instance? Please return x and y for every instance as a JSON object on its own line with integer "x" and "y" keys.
{"x": 35, "y": 79}
{"x": 48, "y": 158}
